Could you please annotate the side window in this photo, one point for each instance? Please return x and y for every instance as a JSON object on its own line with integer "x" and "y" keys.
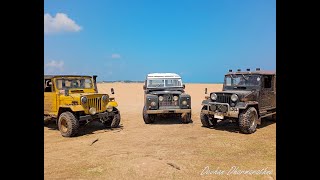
{"x": 47, "y": 85}
{"x": 267, "y": 81}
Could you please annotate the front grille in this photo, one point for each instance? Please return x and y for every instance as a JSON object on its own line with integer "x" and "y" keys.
{"x": 95, "y": 102}
{"x": 168, "y": 100}
{"x": 224, "y": 98}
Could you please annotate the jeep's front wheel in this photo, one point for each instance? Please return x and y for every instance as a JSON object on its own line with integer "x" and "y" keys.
{"x": 205, "y": 120}
{"x": 247, "y": 120}
{"x": 68, "y": 124}
{"x": 186, "y": 118}
{"x": 114, "y": 121}
{"x": 148, "y": 118}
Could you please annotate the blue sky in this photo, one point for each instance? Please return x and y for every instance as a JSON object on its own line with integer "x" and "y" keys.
{"x": 126, "y": 39}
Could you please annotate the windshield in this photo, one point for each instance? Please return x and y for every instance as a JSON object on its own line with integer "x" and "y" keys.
{"x": 161, "y": 83}
{"x": 75, "y": 83}
{"x": 242, "y": 80}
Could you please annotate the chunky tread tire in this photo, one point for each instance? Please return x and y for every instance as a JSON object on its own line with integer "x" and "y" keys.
{"x": 114, "y": 121}
{"x": 186, "y": 118}
{"x": 148, "y": 119}
{"x": 247, "y": 120}
{"x": 205, "y": 119}
{"x": 68, "y": 124}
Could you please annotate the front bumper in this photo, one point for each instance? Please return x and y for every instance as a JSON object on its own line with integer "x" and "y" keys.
{"x": 231, "y": 111}
{"x": 168, "y": 111}
{"x": 97, "y": 116}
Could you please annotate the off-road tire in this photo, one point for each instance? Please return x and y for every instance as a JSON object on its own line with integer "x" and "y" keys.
{"x": 205, "y": 120}
{"x": 186, "y": 118}
{"x": 148, "y": 118}
{"x": 247, "y": 120}
{"x": 68, "y": 124}
{"x": 114, "y": 121}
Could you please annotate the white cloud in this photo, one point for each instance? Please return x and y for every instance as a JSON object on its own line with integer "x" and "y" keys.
{"x": 115, "y": 56}
{"x": 54, "y": 66}
{"x": 60, "y": 23}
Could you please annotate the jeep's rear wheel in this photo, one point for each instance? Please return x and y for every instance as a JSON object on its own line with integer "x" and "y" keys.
{"x": 186, "y": 118}
{"x": 148, "y": 118}
{"x": 247, "y": 120}
{"x": 68, "y": 124}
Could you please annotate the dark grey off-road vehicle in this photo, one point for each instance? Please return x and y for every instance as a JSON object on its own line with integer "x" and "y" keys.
{"x": 247, "y": 96}
{"x": 164, "y": 95}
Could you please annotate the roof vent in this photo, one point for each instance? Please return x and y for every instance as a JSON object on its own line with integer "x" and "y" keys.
{"x": 230, "y": 70}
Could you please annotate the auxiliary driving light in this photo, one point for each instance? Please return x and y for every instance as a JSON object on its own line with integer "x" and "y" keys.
{"x": 92, "y": 110}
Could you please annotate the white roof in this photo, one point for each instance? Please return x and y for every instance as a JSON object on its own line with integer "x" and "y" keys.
{"x": 163, "y": 75}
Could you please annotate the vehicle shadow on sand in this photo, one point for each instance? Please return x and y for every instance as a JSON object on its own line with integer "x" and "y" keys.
{"x": 90, "y": 128}
{"x": 226, "y": 125}
{"x": 168, "y": 121}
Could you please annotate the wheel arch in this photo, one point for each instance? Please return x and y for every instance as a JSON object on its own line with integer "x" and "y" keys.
{"x": 255, "y": 105}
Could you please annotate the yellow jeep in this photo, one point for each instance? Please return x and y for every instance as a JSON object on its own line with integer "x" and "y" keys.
{"x": 73, "y": 100}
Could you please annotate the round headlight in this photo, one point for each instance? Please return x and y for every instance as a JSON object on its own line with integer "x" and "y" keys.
{"x": 184, "y": 103}
{"x": 213, "y": 96}
{"x": 175, "y": 98}
{"x": 153, "y": 103}
{"x": 92, "y": 110}
{"x": 104, "y": 98}
{"x": 234, "y": 97}
{"x": 84, "y": 99}
{"x": 160, "y": 98}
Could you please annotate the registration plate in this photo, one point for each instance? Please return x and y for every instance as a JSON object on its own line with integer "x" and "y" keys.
{"x": 218, "y": 116}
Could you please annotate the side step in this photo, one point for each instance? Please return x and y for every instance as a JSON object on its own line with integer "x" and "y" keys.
{"x": 268, "y": 114}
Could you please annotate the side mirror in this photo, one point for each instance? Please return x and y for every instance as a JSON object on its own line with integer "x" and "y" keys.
{"x": 112, "y": 91}
{"x": 184, "y": 86}
{"x": 205, "y": 90}
{"x": 144, "y": 87}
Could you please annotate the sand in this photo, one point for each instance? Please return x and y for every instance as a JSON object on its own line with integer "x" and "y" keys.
{"x": 167, "y": 149}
